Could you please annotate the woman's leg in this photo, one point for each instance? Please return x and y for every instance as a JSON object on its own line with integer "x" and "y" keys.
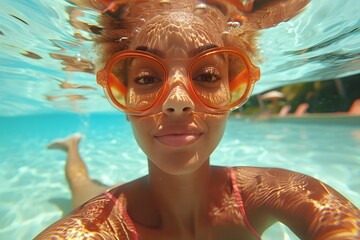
{"x": 82, "y": 187}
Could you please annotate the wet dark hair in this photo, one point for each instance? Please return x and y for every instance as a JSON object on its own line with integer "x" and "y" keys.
{"x": 119, "y": 28}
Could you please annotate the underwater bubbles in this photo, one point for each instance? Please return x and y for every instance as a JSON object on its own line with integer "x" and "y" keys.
{"x": 78, "y": 57}
{"x": 124, "y": 38}
{"x": 232, "y": 25}
{"x": 166, "y": 4}
{"x": 200, "y": 8}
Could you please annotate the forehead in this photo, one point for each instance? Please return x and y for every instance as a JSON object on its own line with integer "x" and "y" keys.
{"x": 176, "y": 34}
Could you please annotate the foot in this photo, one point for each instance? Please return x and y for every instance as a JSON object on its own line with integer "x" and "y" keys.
{"x": 63, "y": 144}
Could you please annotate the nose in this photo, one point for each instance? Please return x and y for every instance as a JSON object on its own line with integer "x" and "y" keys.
{"x": 178, "y": 101}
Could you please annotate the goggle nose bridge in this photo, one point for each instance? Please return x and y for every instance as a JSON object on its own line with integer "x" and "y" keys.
{"x": 177, "y": 77}
{"x": 178, "y": 74}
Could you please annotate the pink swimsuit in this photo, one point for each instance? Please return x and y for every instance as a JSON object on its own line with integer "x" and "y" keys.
{"x": 131, "y": 227}
{"x": 241, "y": 204}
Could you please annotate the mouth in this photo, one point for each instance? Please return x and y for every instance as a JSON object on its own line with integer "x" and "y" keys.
{"x": 176, "y": 136}
{"x": 178, "y": 140}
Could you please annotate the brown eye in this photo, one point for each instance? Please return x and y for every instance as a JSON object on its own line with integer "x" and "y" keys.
{"x": 145, "y": 80}
{"x": 208, "y": 75}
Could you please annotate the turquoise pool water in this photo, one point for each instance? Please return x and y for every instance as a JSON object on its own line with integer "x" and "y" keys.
{"x": 34, "y": 192}
{"x": 321, "y": 43}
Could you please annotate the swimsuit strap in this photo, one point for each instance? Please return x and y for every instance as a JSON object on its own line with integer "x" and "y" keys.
{"x": 123, "y": 213}
{"x": 131, "y": 227}
{"x": 241, "y": 204}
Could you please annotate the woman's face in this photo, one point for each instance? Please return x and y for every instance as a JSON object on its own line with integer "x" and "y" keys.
{"x": 177, "y": 136}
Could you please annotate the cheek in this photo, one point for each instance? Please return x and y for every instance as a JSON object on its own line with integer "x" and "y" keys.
{"x": 216, "y": 125}
{"x": 141, "y": 130}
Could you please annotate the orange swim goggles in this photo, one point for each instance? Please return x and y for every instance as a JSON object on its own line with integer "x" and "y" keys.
{"x": 219, "y": 80}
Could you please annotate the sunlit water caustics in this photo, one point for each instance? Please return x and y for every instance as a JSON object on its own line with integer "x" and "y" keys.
{"x": 46, "y": 71}
{"x": 44, "y": 46}
{"x": 34, "y": 191}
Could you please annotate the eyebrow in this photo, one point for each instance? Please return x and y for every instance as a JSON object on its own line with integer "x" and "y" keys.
{"x": 192, "y": 53}
{"x": 201, "y": 49}
{"x": 152, "y": 51}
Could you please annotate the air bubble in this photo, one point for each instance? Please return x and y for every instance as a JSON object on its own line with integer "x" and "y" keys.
{"x": 78, "y": 57}
{"x": 165, "y": 4}
{"x": 200, "y": 8}
{"x": 123, "y": 39}
{"x": 232, "y": 25}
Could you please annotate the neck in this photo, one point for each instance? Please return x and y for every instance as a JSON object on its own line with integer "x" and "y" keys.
{"x": 182, "y": 199}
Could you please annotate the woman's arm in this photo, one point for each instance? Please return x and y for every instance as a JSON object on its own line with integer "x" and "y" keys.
{"x": 310, "y": 208}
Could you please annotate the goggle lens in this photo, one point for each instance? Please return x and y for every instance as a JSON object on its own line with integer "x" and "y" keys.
{"x": 136, "y": 82}
{"x": 220, "y": 80}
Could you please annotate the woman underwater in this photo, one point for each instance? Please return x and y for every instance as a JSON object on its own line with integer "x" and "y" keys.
{"x": 177, "y": 74}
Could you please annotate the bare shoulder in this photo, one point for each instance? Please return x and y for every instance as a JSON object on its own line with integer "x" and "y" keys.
{"x": 283, "y": 182}
{"x": 311, "y": 208}
{"x": 99, "y": 218}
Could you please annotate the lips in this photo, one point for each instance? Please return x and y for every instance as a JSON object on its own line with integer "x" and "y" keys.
{"x": 177, "y": 137}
